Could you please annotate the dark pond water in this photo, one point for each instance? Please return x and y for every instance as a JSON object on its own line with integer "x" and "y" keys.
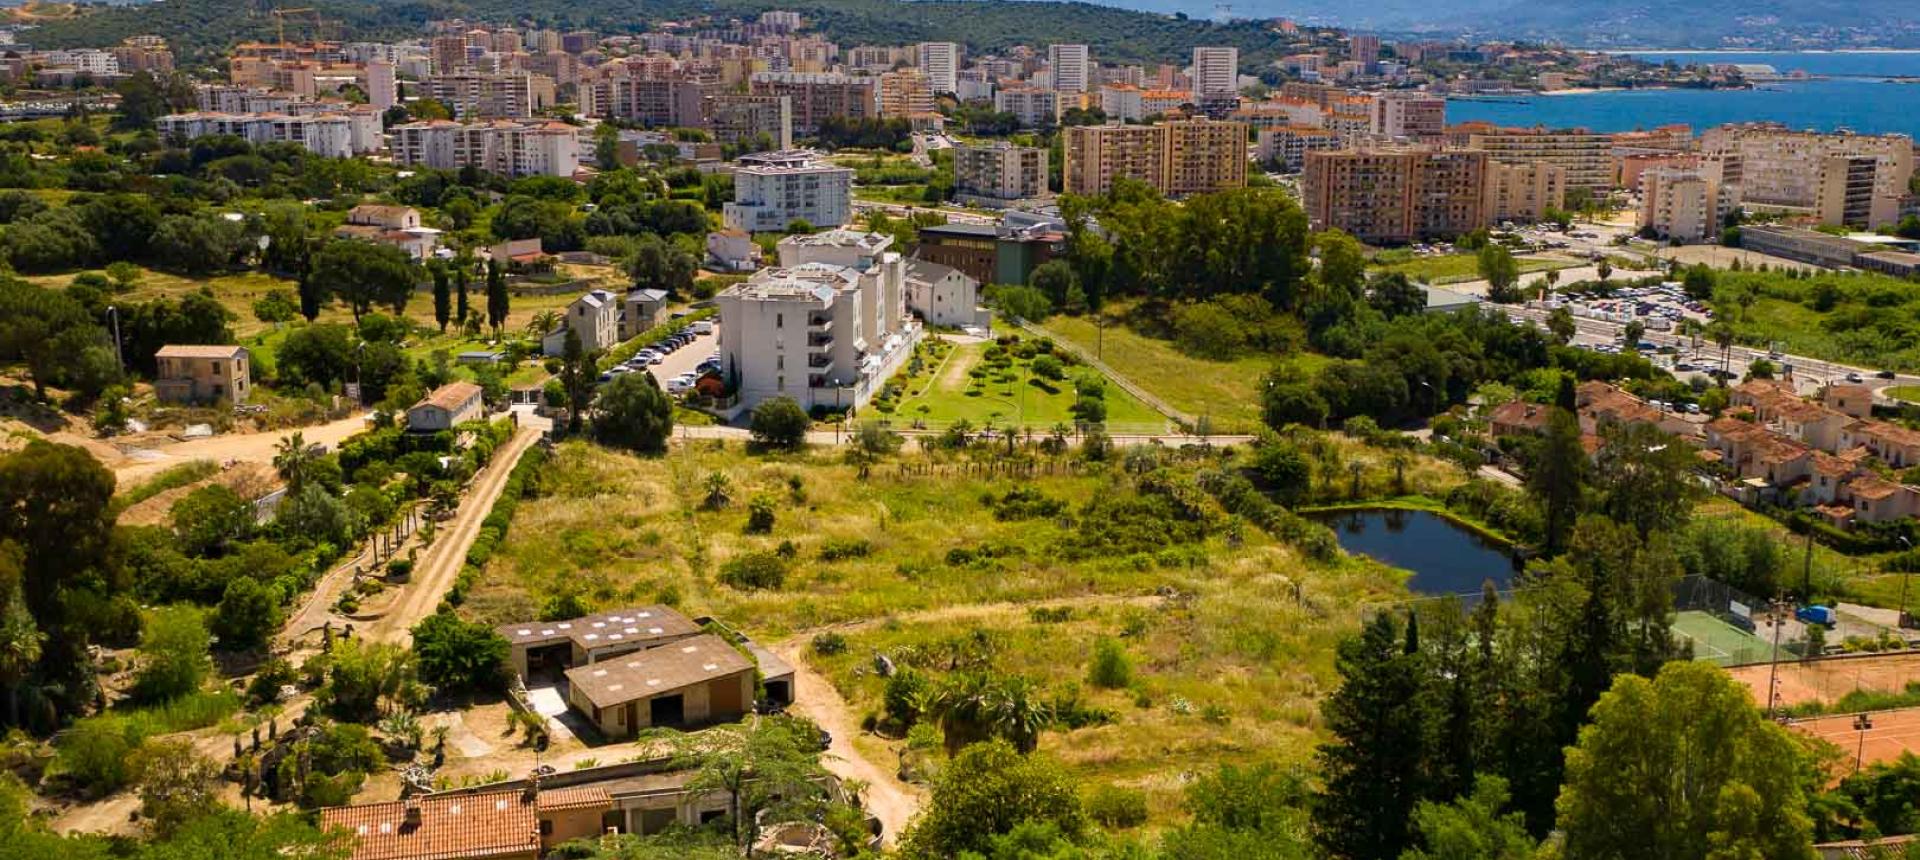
{"x": 1445, "y": 558}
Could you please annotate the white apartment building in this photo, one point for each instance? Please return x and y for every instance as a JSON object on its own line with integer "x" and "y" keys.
{"x": 999, "y": 173}
{"x": 1069, "y": 67}
{"x": 1685, "y": 204}
{"x": 322, "y": 134}
{"x": 594, "y": 318}
{"x": 1216, "y": 73}
{"x": 1031, "y": 106}
{"x": 826, "y": 327}
{"x": 1409, "y": 114}
{"x": 231, "y": 98}
{"x": 92, "y": 61}
{"x": 941, "y": 62}
{"x": 1121, "y": 102}
{"x": 502, "y": 146}
{"x": 772, "y": 189}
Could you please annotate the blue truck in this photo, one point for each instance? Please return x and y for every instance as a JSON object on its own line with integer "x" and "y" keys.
{"x": 1821, "y": 615}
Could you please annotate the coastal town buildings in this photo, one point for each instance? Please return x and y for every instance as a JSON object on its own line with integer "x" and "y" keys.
{"x": 1396, "y": 195}
{"x": 773, "y": 189}
{"x": 999, "y": 173}
{"x": 1176, "y": 158}
{"x": 509, "y": 148}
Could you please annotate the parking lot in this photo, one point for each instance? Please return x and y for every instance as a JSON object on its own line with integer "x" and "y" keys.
{"x": 681, "y": 361}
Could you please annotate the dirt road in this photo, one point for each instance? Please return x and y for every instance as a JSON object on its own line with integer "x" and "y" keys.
{"x": 441, "y": 564}
{"x": 894, "y": 802}
{"x": 142, "y": 463}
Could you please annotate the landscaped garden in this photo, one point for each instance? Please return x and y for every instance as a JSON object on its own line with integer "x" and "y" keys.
{"x": 1014, "y": 382}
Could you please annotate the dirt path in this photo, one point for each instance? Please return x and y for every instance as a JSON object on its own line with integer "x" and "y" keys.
{"x": 143, "y": 463}
{"x": 894, "y": 802}
{"x": 441, "y": 563}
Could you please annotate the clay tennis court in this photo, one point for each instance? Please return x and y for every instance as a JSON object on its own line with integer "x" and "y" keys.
{"x": 1893, "y": 733}
{"x": 1827, "y": 680}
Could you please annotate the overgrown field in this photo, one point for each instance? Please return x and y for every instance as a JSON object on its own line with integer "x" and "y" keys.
{"x": 1863, "y": 319}
{"x": 1224, "y": 632}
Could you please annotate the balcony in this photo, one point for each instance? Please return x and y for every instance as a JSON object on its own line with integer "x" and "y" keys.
{"x": 819, "y": 324}
{"x": 818, "y": 364}
{"x": 819, "y": 342}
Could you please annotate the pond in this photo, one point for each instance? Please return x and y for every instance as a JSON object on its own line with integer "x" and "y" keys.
{"x": 1445, "y": 557}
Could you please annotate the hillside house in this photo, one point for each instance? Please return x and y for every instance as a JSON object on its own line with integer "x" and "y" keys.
{"x": 398, "y": 226}
{"x": 594, "y": 317}
{"x": 447, "y": 407}
{"x": 202, "y": 374}
{"x": 641, "y": 312}
{"x": 509, "y": 824}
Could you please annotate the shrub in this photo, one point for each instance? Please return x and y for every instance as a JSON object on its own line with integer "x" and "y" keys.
{"x": 1048, "y": 367}
{"x": 173, "y": 653}
{"x": 779, "y": 424}
{"x": 828, "y": 644}
{"x": 760, "y": 514}
{"x": 93, "y": 753}
{"x": 1111, "y": 669}
{"x": 906, "y": 691}
{"x": 264, "y": 688}
{"x": 839, "y": 549}
{"x": 1117, "y": 808}
{"x": 755, "y": 571}
{"x": 1025, "y": 503}
{"x": 459, "y": 655}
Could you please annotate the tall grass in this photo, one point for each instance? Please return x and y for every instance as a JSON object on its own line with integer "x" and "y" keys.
{"x": 173, "y": 477}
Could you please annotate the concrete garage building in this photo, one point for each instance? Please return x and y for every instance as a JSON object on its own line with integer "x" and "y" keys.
{"x": 697, "y": 680}
{"x": 546, "y": 648}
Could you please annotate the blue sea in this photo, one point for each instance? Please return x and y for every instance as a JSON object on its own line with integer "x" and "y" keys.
{"x": 1858, "y": 97}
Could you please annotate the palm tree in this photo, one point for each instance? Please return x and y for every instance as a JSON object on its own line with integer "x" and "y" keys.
{"x": 718, "y": 495}
{"x": 291, "y": 459}
{"x": 965, "y": 708}
{"x": 1723, "y": 335}
{"x": 543, "y": 322}
{"x": 20, "y": 646}
{"x": 1019, "y": 716}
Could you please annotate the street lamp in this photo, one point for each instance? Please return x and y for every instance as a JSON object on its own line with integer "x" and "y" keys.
{"x": 1861, "y": 723}
{"x": 113, "y": 312}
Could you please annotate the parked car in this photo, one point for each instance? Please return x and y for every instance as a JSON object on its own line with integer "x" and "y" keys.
{"x": 1854, "y": 377}
{"x": 1885, "y": 374}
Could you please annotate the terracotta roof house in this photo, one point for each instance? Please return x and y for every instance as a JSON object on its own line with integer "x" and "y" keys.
{"x": 1854, "y": 400}
{"x": 1875, "y": 499}
{"x": 497, "y": 825}
{"x": 1518, "y": 418}
{"x": 447, "y": 407}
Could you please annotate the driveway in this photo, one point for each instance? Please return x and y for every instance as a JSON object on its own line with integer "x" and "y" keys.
{"x": 686, "y": 358}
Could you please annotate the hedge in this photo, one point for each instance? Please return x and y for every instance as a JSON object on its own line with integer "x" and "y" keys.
{"x": 493, "y": 529}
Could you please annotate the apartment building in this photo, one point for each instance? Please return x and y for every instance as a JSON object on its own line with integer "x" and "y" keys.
{"x": 1523, "y": 191}
{"x": 1396, "y": 195}
{"x": 1032, "y": 107}
{"x": 1686, "y": 204}
{"x": 330, "y": 135}
{"x": 736, "y": 119}
{"x": 1288, "y": 146}
{"x": 905, "y": 93}
{"x": 999, "y": 173}
{"x": 941, "y": 63}
{"x": 773, "y": 189}
{"x": 502, "y": 146}
{"x": 647, "y": 93}
{"x": 1408, "y": 114}
{"x": 1177, "y": 158}
{"x": 504, "y": 95}
{"x": 1070, "y": 68}
{"x": 1216, "y": 79}
{"x": 814, "y": 97}
{"x": 1350, "y": 116}
{"x": 1121, "y": 103}
{"x": 1840, "y": 178}
{"x": 383, "y": 89}
{"x": 826, "y": 327}
{"x": 1586, "y": 156}
{"x": 1164, "y": 103}
{"x": 1280, "y": 113}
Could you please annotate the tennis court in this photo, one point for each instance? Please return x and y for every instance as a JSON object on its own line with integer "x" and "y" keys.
{"x": 1719, "y": 642}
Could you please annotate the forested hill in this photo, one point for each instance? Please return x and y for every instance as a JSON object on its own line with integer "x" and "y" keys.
{"x": 199, "y": 29}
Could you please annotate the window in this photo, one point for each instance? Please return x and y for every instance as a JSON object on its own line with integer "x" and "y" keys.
{"x": 779, "y": 362}
{"x": 780, "y": 382}
{"x": 779, "y": 320}
{"x": 546, "y": 827}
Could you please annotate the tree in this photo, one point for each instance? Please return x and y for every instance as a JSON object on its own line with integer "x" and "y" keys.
{"x": 1560, "y": 323}
{"x": 987, "y": 790}
{"x": 248, "y": 614}
{"x": 632, "y": 412}
{"x": 459, "y": 656}
{"x": 1026, "y": 303}
{"x": 462, "y": 275}
{"x": 362, "y": 677}
{"x": 1394, "y": 296}
{"x": 442, "y": 293}
{"x": 210, "y": 519}
{"x": 498, "y": 301}
{"x": 1558, "y": 475}
{"x": 779, "y": 424}
{"x": 173, "y": 654}
{"x": 1644, "y": 478}
{"x": 755, "y": 765}
{"x": 1604, "y": 269}
{"x": 177, "y": 784}
{"x": 659, "y": 264}
{"x": 1374, "y": 768}
{"x": 1698, "y": 282}
{"x": 1343, "y": 264}
{"x": 1283, "y": 470}
{"x": 1631, "y": 333}
{"x": 1497, "y": 266}
{"x": 198, "y": 244}
{"x": 293, "y": 460}
{"x": 56, "y": 513}
{"x": 20, "y": 639}
{"x": 1472, "y": 827}
{"x": 1056, "y": 280}
{"x": 275, "y": 307}
{"x": 364, "y": 274}
{"x": 1684, "y": 766}
{"x": 313, "y": 515}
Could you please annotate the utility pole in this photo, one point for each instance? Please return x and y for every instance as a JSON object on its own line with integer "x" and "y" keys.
{"x": 1773, "y": 672}
{"x": 1861, "y": 723}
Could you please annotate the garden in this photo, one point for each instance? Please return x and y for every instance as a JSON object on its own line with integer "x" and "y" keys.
{"x": 1011, "y": 382}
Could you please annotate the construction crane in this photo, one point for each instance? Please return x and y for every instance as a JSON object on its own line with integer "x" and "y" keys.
{"x": 314, "y": 22}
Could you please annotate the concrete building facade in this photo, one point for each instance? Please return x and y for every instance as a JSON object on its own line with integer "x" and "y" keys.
{"x": 999, "y": 173}
{"x": 772, "y": 189}
{"x": 1392, "y": 196}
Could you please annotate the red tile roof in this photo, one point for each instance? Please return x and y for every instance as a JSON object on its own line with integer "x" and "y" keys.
{"x": 452, "y": 395}
{"x": 455, "y": 827}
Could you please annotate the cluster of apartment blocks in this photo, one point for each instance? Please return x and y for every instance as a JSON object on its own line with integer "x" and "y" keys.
{"x": 103, "y": 66}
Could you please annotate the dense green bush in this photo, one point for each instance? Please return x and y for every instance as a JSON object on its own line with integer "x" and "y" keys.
{"x": 1110, "y": 668}
{"x": 1117, "y": 808}
{"x": 755, "y": 571}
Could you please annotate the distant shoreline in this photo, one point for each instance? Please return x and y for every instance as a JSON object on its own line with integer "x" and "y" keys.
{"x": 1739, "y": 51}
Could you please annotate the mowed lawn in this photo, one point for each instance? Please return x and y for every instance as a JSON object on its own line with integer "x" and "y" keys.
{"x": 962, "y": 386}
{"x": 1226, "y": 392}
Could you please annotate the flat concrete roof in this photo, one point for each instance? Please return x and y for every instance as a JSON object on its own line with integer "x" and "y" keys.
{"x": 602, "y": 630}
{"x": 657, "y": 671}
